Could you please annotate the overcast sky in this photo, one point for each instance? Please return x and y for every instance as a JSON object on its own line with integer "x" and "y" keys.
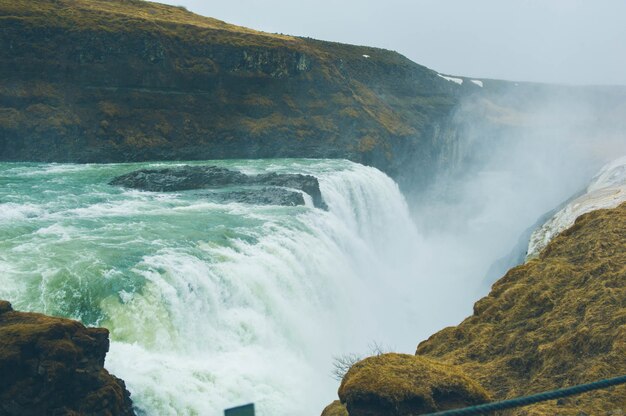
{"x": 564, "y": 41}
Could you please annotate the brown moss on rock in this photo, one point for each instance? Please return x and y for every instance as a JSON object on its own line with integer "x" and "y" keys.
{"x": 335, "y": 409}
{"x": 557, "y": 321}
{"x": 55, "y": 366}
{"x": 401, "y": 384}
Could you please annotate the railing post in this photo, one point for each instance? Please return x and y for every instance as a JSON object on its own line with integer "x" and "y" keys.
{"x": 245, "y": 410}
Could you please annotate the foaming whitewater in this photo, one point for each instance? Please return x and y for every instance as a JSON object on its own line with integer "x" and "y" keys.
{"x": 215, "y": 305}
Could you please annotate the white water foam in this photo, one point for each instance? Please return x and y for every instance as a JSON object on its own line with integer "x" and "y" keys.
{"x": 12, "y": 211}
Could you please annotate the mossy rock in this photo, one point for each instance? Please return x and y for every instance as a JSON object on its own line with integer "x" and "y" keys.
{"x": 335, "y": 409}
{"x": 402, "y": 384}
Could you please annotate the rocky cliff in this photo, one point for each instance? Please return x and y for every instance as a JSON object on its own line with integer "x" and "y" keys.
{"x": 128, "y": 80}
{"x": 54, "y": 366}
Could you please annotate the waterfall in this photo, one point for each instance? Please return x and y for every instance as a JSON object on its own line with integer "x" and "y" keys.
{"x": 214, "y": 305}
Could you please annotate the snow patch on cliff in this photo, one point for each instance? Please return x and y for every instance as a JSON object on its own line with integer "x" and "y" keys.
{"x": 607, "y": 190}
{"x": 455, "y": 80}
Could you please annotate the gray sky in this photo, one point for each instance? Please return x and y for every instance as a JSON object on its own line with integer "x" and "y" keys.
{"x": 562, "y": 41}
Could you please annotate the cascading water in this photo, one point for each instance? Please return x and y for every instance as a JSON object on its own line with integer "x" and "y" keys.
{"x": 214, "y": 305}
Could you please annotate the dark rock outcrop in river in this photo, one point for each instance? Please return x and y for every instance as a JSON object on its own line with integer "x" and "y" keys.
{"x": 264, "y": 188}
{"x": 54, "y": 366}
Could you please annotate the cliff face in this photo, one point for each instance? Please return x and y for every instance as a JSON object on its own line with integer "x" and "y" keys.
{"x": 127, "y": 80}
{"x": 556, "y": 321}
{"x": 55, "y": 366}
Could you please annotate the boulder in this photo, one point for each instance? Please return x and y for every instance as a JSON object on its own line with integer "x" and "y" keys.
{"x": 180, "y": 178}
{"x": 402, "y": 385}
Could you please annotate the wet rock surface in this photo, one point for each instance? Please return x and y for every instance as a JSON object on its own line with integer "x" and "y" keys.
{"x": 261, "y": 196}
{"x": 55, "y": 366}
{"x": 267, "y": 188}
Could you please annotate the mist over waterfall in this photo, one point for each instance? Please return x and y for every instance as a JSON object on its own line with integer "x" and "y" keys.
{"x": 214, "y": 305}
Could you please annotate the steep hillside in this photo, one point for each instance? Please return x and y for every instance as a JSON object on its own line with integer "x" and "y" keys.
{"x": 558, "y": 320}
{"x": 121, "y": 80}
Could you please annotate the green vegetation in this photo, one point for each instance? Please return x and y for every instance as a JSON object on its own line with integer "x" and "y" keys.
{"x": 128, "y": 15}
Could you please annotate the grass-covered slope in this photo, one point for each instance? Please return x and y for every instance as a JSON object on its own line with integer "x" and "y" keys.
{"x": 116, "y": 80}
{"x": 557, "y": 321}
